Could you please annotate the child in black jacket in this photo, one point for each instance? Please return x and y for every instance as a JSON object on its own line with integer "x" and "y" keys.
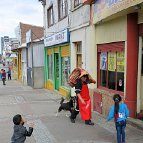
{"x": 20, "y": 132}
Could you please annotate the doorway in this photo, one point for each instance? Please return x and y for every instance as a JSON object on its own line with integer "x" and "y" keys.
{"x": 56, "y": 70}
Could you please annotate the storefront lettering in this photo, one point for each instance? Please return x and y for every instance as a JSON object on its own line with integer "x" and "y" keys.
{"x": 57, "y": 38}
{"x": 112, "y": 2}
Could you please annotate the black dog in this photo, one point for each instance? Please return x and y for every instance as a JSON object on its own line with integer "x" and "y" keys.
{"x": 68, "y": 106}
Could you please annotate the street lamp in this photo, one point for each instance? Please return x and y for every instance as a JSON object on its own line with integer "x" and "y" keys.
{"x": 43, "y": 2}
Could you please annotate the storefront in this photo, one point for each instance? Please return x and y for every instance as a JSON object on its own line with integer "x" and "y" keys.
{"x": 57, "y": 62}
{"x": 117, "y": 46}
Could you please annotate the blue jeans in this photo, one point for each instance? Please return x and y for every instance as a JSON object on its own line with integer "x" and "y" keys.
{"x": 120, "y": 127}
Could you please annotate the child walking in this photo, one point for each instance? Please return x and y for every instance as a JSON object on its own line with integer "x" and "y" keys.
{"x": 20, "y": 132}
{"x": 119, "y": 112}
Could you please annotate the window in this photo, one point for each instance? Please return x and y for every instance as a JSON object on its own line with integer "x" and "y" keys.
{"x": 79, "y": 55}
{"x": 50, "y": 67}
{"x": 65, "y": 70}
{"x": 62, "y": 9}
{"x": 111, "y": 69}
{"x": 50, "y": 16}
{"x": 76, "y": 3}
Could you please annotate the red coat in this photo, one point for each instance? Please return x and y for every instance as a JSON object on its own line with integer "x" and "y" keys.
{"x": 85, "y": 109}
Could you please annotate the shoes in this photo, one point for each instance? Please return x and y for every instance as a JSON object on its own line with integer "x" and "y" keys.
{"x": 89, "y": 122}
{"x": 72, "y": 120}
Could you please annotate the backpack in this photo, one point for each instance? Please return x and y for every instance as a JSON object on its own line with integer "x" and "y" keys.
{"x": 78, "y": 73}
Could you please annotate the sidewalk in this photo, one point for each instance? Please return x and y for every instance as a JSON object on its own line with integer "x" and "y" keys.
{"x": 40, "y": 106}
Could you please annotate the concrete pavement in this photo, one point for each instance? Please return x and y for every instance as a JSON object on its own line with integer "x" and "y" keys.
{"x": 40, "y": 106}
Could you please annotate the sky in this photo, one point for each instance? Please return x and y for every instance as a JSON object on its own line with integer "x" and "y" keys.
{"x": 14, "y": 11}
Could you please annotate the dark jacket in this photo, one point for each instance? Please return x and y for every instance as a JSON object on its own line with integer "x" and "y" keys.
{"x": 20, "y": 133}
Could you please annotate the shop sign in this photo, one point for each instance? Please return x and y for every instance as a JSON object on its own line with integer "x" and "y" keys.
{"x": 120, "y": 62}
{"x": 105, "y": 8}
{"x": 111, "y": 61}
{"x": 58, "y": 38}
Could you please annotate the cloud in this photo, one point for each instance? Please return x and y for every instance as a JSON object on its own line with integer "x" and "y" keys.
{"x": 14, "y": 11}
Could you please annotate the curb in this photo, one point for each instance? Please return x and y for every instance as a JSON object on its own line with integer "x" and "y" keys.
{"x": 135, "y": 123}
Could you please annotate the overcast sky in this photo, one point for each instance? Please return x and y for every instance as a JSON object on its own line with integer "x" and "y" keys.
{"x": 14, "y": 11}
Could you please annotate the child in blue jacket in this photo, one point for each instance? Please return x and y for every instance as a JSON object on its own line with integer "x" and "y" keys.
{"x": 120, "y": 113}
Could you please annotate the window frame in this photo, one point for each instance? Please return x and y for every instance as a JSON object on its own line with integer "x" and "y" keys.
{"x": 63, "y": 67}
{"x": 111, "y": 47}
{"x": 78, "y": 3}
{"x": 50, "y": 12}
{"x": 50, "y": 66}
{"x": 60, "y": 17}
{"x": 78, "y": 54}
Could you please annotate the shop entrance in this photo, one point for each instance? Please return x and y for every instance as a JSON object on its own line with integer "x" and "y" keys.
{"x": 56, "y": 70}
{"x": 140, "y": 80}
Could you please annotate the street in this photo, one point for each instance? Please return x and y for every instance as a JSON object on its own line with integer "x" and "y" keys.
{"x": 40, "y": 106}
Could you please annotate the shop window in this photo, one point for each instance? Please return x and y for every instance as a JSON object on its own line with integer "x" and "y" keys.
{"x": 50, "y": 16}
{"x": 65, "y": 70}
{"x": 50, "y": 67}
{"x": 79, "y": 55}
{"x": 112, "y": 70}
{"x": 76, "y": 3}
{"x": 63, "y": 9}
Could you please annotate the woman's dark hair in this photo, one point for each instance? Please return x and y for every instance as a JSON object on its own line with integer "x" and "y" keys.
{"x": 17, "y": 119}
{"x": 117, "y": 98}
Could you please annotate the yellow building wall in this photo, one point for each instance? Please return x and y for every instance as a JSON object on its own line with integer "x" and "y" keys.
{"x": 140, "y": 17}
{"x": 111, "y": 31}
{"x": 49, "y": 85}
{"x": 15, "y": 68}
{"x": 64, "y": 92}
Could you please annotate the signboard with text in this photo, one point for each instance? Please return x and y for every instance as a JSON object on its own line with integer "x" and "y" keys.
{"x": 120, "y": 62}
{"x": 58, "y": 38}
{"x": 111, "y": 61}
{"x": 105, "y": 8}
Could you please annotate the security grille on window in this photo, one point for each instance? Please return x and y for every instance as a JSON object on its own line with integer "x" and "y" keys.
{"x": 76, "y": 3}
{"x": 50, "y": 16}
{"x": 62, "y": 9}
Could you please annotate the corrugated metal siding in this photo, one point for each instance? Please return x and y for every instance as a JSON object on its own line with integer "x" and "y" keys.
{"x": 65, "y": 51}
{"x": 38, "y": 54}
{"x": 23, "y": 54}
{"x": 30, "y": 56}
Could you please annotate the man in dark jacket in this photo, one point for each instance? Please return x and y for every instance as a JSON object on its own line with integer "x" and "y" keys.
{"x": 20, "y": 132}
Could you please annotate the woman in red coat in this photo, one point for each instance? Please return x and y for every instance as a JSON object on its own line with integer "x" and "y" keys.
{"x": 84, "y": 101}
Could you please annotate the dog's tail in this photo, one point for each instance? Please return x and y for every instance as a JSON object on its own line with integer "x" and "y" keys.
{"x": 62, "y": 100}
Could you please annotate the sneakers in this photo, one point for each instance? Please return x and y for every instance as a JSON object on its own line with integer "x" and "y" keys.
{"x": 89, "y": 122}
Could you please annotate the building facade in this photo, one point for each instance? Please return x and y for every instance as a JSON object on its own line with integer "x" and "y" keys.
{"x": 117, "y": 41}
{"x": 57, "y": 45}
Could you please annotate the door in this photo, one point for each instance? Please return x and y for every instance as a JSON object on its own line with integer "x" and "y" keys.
{"x": 56, "y": 70}
{"x": 140, "y": 79}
